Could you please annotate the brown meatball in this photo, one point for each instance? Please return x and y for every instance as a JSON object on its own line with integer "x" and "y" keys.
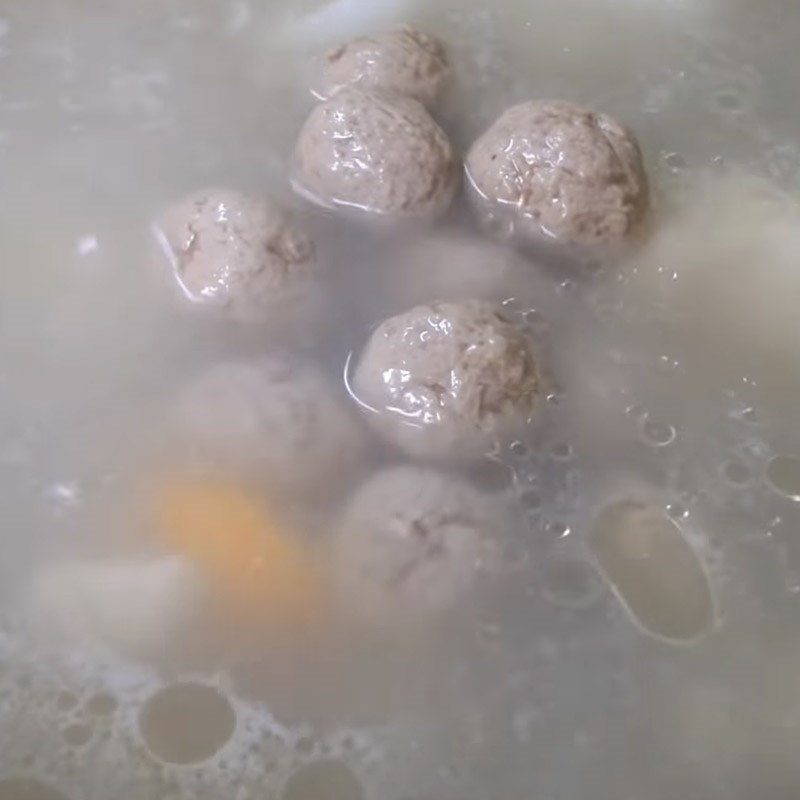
{"x": 402, "y": 60}
{"x": 236, "y": 253}
{"x": 377, "y": 153}
{"x": 449, "y": 380}
{"x": 557, "y": 170}
{"x": 273, "y": 416}
{"x": 411, "y": 544}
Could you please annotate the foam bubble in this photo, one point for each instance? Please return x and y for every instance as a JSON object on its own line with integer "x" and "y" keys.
{"x": 102, "y": 704}
{"x": 323, "y": 780}
{"x": 656, "y": 432}
{"x": 653, "y": 570}
{"x": 27, "y": 789}
{"x": 783, "y": 475}
{"x": 77, "y": 734}
{"x": 186, "y": 723}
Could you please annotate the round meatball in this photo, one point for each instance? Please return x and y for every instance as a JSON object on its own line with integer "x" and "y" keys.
{"x": 375, "y": 153}
{"x": 410, "y": 545}
{"x": 274, "y": 418}
{"x": 402, "y": 60}
{"x": 557, "y": 170}
{"x": 236, "y": 253}
{"x": 449, "y": 379}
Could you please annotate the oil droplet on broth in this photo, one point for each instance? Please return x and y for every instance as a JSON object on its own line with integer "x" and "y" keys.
{"x": 492, "y": 474}
{"x": 186, "y": 723}
{"x": 656, "y": 433}
{"x": 561, "y": 451}
{"x": 101, "y": 704}
{"x": 77, "y": 735}
{"x": 27, "y": 789}
{"x": 783, "y": 474}
{"x": 323, "y": 780}
{"x": 729, "y": 101}
{"x": 677, "y": 511}
{"x": 531, "y": 500}
{"x": 653, "y": 570}
{"x": 518, "y": 449}
{"x": 675, "y": 161}
{"x": 736, "y": 472}
{"x": 66, "y": 701}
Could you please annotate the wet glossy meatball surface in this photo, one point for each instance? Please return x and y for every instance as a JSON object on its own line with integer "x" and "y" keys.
{"x": 375, "y": 153}
{"x": 449, "y": 379}
{"x": 403, "y": 60}
{"x": 555, "y": 170}
{"x": 239, "y": 254}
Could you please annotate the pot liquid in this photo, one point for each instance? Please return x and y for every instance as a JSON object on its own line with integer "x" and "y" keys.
{"x": 643, "y": 639}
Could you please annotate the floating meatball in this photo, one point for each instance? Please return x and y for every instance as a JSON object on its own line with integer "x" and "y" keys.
{"x": 411, "y": 544}
{"x": 238, "y": 254}
{"x": 556, "y": 170}
{"x": 449, "y": 379}
{"x": 276, "y": 419}
{"x": 402, "y": 60}
{"x": 376, "y": 153}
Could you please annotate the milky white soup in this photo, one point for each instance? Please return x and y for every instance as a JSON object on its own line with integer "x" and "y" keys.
{"x": 623, "y": 619}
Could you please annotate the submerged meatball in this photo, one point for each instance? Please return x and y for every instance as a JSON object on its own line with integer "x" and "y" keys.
{"x": 237, "y": 253}
{"x": 402, "y": 60}
{"x": 557, "y": 170}
{"x": 449, "y": 379}
{"x": 410, "y": 545}
{"x": 375, "y": 153}
{"x": 271, "y": 416}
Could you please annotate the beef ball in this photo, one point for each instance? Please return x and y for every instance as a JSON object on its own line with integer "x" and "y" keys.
{"x": 236, "y": 253}
{"x": 376, "y": 153}
{"x": 449, "y": 379}
{"x": 274, "y": 418}
{"x": 402, "y": 60}
{"x": 556, "y": 170}
{"x": 410, "y": 545}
